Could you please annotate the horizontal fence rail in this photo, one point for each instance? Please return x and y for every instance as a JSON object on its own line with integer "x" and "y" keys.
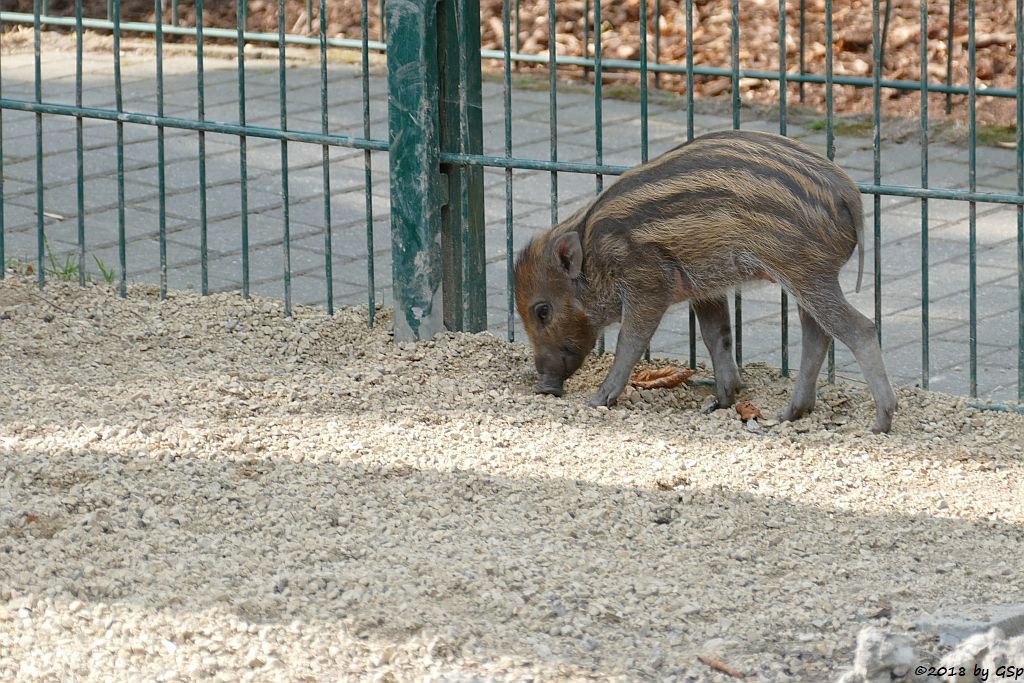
{"x": 437, "y": 159}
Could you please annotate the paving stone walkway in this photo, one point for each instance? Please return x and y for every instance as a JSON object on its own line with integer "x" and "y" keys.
{"x": 998, "y": 296}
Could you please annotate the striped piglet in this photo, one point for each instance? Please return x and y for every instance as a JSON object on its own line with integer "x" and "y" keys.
{"x": 691, "y": 224}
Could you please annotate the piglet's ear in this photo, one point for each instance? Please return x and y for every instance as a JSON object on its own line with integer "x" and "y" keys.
{"x": 569, "y": 254}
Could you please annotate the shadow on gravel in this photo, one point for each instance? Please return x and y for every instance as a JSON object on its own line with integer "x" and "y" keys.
{"x": 561, "y": 573}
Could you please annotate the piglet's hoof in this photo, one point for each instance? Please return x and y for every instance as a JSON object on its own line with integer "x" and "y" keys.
{"x": 601, "y": 399}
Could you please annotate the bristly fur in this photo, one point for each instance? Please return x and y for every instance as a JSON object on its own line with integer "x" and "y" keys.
{"x": 701, "y": 219}
{"x": 721, "y": 209}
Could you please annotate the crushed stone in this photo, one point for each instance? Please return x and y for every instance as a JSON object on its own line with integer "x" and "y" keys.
{"x": 201, "y": 487}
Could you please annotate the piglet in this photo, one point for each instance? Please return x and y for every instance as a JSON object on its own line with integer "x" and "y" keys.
{"x": 720, "y": 210}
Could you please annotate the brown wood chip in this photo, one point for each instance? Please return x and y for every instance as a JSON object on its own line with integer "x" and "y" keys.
{"x": 748, "y": 410}
{"x": 660, "y": 378}
{"x": 719, "y": 665}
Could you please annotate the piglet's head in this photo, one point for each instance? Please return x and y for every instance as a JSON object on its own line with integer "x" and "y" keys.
{"x": 547, "y": 281}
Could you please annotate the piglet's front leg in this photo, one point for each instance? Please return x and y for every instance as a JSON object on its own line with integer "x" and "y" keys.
{"x": 638, "y": 326}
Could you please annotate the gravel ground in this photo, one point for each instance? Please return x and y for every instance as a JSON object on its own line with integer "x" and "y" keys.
{"x": 201, "y": 487}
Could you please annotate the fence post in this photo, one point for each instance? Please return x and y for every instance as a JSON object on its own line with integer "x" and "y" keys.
{"x": 461, "y": 129}
{"x": 417, "y": 191}
{"x": 437, "y": 220}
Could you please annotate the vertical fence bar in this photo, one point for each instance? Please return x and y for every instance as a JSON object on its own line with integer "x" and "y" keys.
{"x": 414, "y": 157}
{"x": 367, "y": 161}
{"x": 735, "y": 64}
{"x": 1020, "y": 208}
{"x": 657, "y": 41}
{"x": 598, "y": 118}
{"x": 644, "y": 124}
{"x": 383, "y": 36}
{"x": 122, "y": 246}
{"x": 689, "y": 70}
{"x": 79, "y": 144}
{"x": 38, "y": 73}
{"x": 506, "y": 20}
{"x": 830, "y": 139}
{"x": 924, "y": 200}
{"x": 885, "y": 29}
{"x": 204, "y": 266}
{"x": 972, "y": 207}
{"x": 803, "y": 51}
{"x": 460, "y": 115}
{"x": 949, "y": 54}
{"x": 783, "y": 297}
{"x": 519, "y": 43}
{"x": 160, "y": 166}
{"x": 286, "y": 209}
{"x": 325, "y": 151}
{"x": 243, "y": 145}
{"x": 586, "y": 34}
{"x": 691, "y": 316}
{"x": 876, "y": 120}
{"x": 472, "y": 223}
{"x": 830, "y": 134}
{"x": 309, "y": 16}
{"x": 3, "y": 255}
{"x": 174, "y": 12}
{"x": 553, "y": 107}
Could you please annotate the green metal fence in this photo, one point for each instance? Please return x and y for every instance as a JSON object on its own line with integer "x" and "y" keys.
{"x": 435, "y": 151}
{"x": 158, "y": 119}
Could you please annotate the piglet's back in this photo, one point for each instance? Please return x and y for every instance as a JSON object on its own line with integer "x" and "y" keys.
{"x": 742, "y": 192}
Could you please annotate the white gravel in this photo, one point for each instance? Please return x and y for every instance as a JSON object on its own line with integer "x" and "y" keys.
{"x": 201, "y": 487}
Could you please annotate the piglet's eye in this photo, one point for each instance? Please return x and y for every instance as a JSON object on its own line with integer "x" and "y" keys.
{"x": 543, "y": 313}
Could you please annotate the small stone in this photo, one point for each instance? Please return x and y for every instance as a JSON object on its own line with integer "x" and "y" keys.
{"x": 753, "y": 427}
{"x": 881, "y": 654}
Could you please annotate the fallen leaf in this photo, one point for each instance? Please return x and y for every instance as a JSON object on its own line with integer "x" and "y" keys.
{"x": 29, "y": 519}
{"x": 719, "y": 665}
{"x": 661, "y": 378}
{"x": 748, "y": 410}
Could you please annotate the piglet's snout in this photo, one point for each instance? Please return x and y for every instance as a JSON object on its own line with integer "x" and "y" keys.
{"x": 550, "y": 385}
